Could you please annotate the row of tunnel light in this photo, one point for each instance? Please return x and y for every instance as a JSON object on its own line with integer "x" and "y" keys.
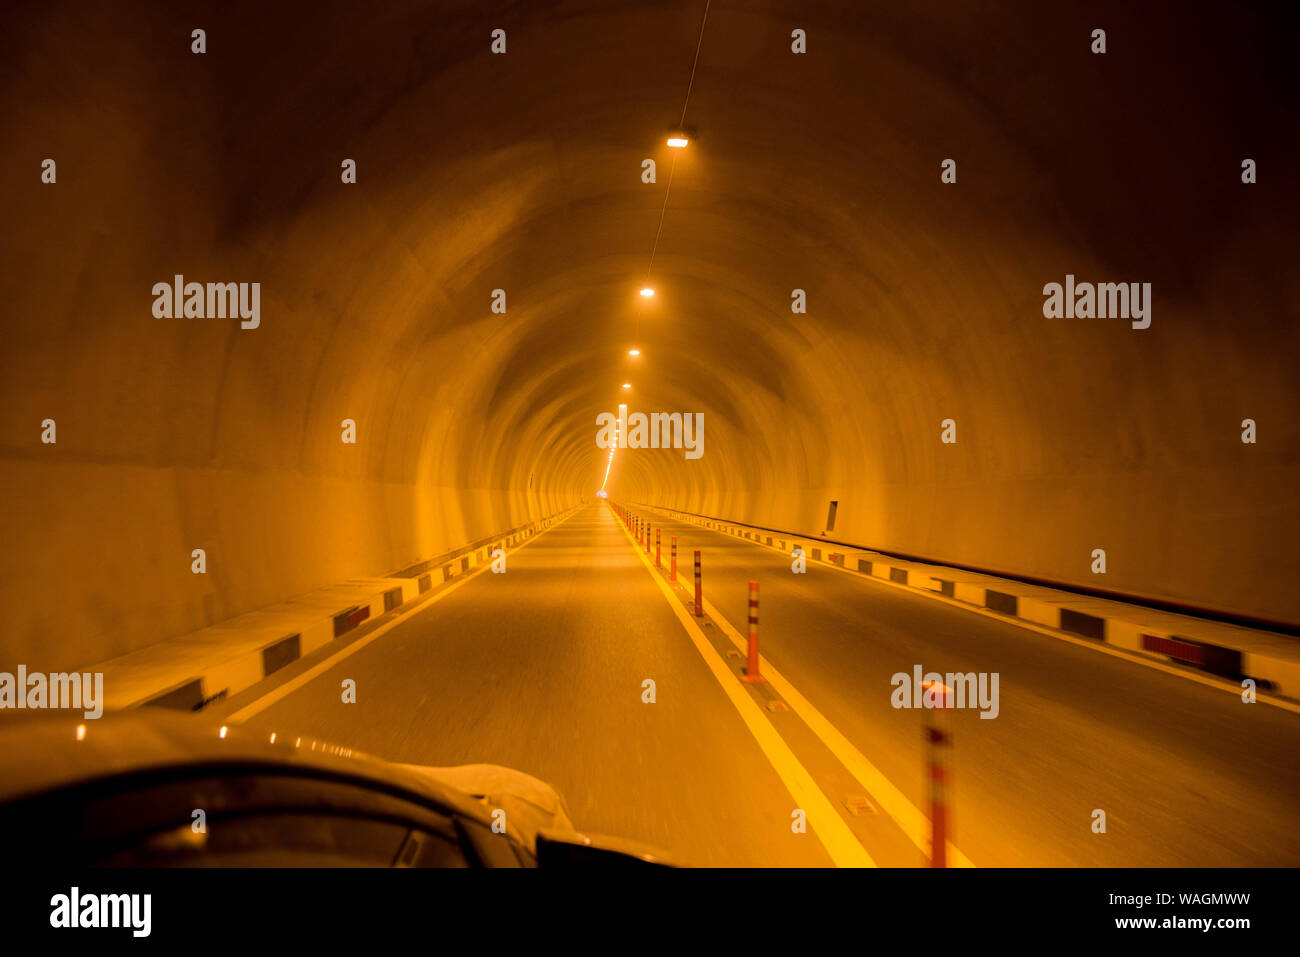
{"x": 676, "y": 140}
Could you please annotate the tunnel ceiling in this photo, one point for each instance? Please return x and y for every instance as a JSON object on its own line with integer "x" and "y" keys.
{"x": 522, "y": 172}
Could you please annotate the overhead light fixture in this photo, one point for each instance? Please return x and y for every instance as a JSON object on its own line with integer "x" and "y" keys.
{"x": 627, "y": 385}
{"x": 647, "y": 292}
{"x": 678, "y": 141}
{"x": 634, "y": 352}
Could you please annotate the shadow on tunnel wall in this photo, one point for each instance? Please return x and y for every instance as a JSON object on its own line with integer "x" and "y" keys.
{"x": 521, "y": 172}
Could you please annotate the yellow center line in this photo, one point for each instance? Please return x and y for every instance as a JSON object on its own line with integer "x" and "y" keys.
{"x": 909, "y": 818}
{"x": 835, "y": 835}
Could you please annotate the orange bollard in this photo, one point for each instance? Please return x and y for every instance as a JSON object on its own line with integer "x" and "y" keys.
{"x": 699, "y": 590}
{"x": 937, "y": 741}
{"x": 658, "y": 564}
{"x": 751, "y": 674}
{"x": 672, "y": 575}
{"x": 647, "y": 539}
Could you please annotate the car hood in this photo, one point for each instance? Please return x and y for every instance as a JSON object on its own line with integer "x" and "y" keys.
{"x": 530, "y": 804}
{"x": 43, "y": 752}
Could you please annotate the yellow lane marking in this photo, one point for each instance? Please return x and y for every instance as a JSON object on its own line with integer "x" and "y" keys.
{"x": 840, "y": 842}
{"x": 1210, "y": 681}
{"x": 289, "y": 687}
{"x": 890, "y": 799}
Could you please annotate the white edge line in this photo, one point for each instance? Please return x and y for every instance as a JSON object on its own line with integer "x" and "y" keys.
{"x": 281, "y": 692}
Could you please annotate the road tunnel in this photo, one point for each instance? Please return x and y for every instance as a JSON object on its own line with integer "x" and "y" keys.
{"x": 449, "y": 213}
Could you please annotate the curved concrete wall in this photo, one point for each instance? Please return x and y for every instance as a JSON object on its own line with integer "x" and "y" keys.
{"x": 522, "y": 172}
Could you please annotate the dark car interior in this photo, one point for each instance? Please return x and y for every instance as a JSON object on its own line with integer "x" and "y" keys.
{"x": 253, "y": 816}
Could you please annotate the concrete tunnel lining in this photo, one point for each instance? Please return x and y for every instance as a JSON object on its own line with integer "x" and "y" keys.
{"x": 522, "y": 172}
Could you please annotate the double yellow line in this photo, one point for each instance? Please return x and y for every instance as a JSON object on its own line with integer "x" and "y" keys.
{"x": 891, "y": 801}
{"x": 840, "y": 842}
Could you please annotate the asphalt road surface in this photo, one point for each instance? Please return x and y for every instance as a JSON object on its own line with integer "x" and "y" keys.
{"x": 543, "y": 669}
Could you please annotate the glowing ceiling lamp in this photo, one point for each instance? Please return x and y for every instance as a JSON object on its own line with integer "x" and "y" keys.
{"x": 678, "y": 141}
{"x": 634, "y": 352}
{"x": 647, "y": 292}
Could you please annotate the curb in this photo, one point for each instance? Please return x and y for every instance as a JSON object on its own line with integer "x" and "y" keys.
{"x": 192, "y": 671}
{"x": 1270, "y": 659}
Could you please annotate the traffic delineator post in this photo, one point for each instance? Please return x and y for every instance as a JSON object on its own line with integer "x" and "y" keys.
{"x": 658, "y": 563}
{"x": 672, "y": 573}
{"x": 938, "y": 739}
{"x": 699, "y": 589}
{"x": 751, "y": 674}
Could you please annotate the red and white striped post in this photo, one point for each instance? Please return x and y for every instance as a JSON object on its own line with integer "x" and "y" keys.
{"x": 699, "y": 589}
{"x": 751, "y": 674}
{"x": 938, "y": 739}
{"x": 658, "y": 564}
{"x": 672, "y": 551}
{"x": 647, "y": 538}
